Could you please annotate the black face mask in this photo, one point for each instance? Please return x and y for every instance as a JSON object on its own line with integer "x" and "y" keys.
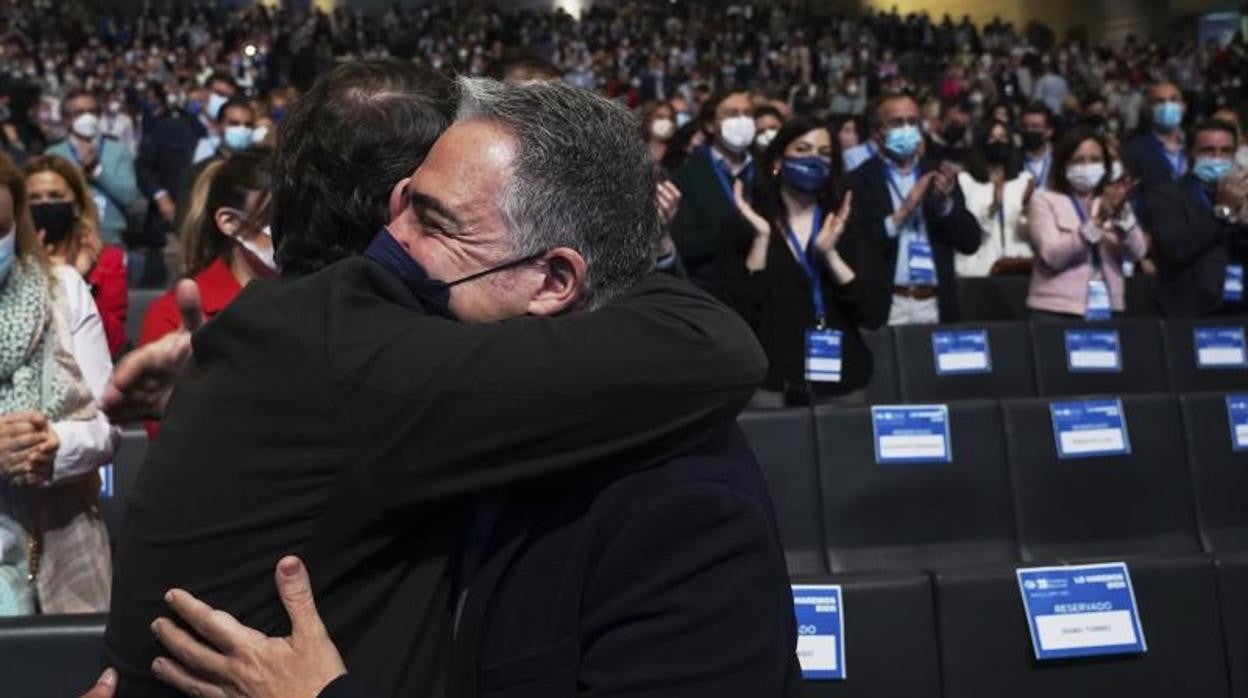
{"x": 953, "y": 133}
{"x": 433, "y": 294}
{"x": 1033, "y": 140}
{"x": 1096, "y": 122}
{"x": 56, "y": 220}
{"x": 997, "y": 153}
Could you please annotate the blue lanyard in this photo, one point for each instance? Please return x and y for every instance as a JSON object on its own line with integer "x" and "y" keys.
{"x": 1203, "y": 196}
{"x": 725, "y": 179}
{"x": 1043, "y": 177}
{"x": 1083, "y": 218}
{"x": 809, "y": 266}
{"x": 1177, "y": 162}
{"x": 890, "y": 174}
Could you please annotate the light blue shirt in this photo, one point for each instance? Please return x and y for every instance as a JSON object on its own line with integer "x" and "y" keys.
{"x": 913, "y": 229}
{"x": 855, "y": 156}
{"x": 1039, "y": 168}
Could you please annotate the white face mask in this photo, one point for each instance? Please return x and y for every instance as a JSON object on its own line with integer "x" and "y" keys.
{"x": 86, "y": 126}
{"x": 1084, "y": 178}
{"x": 259, "y": 134}
{"x": 662, "y": 129}
{"x": 765, "y": 138}
{"x": 213, "y": 108}
{"x": 737, "y": 133}
{"x": 265, "y": 255}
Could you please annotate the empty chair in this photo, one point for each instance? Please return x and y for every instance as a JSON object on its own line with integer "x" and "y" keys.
{"x": 926, "y": 376}
{"x": 1141, "y": 296}
{"x": 915, "y": 516}
{"x": 51, "y": 655}
{"x": 1233, "y": 594}
{"x": 890, "y": 637}
{"x": 992, "y": 298}
{"x": 1142, "y": 369}
{"x": 986, "y": 649}
{"x": 136, "y": 308}
{"x": 1117, "y": 505}
{"x": 1215, "y": 371}
{"x": 883, "y": 385}
{"x": 784, "y": 442}
{"x": 1219, "y": 473}
{"x": 130, "y": 455}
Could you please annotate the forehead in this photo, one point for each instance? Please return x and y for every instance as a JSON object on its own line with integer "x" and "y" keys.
{"x": 735, "y": 102}
{"x": 81, "y": 102}
{"x": 470, "y": 161}
{"x": 903, "y": 106}
{"x": 817, "y": 137}
{"x": 1215, "y": 138}
{"x": 46, "y": 179}
{"x": 1088, "y": 147}
{"x": 1164, "y": 91}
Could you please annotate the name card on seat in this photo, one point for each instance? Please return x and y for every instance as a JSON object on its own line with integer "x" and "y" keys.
{"x": 1081, "y": 611}
{"x": 820, "y": 631}
{"x": 1088, "y": 428}
{"x": 1219, "y": 347}
{"x": 1093, "y": 351}
{"x": 962, "y": 352}
{"x": 911, "y": 434}
{"x": 1237, "y": 413}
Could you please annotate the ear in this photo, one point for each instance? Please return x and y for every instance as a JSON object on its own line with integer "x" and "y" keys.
{"x": 397, "y": 196}
{"x": 563, "y": 282}
{"x": 228, "y": 221}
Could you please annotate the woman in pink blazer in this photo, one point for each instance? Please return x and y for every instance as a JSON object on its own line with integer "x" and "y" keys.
{"x": 1082, "y": 230}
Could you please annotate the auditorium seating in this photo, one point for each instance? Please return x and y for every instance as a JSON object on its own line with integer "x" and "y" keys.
{"x": 126, "y": 462}
{"x": 1181, "y": 358}
{"x": 916, "y": 516}
{"x": 1143, "y": 370}
{"x": 1219, "y": 474}
{"x": 984, "y": 299}
{"x": 137, "y": 303}
{"x": 50, "y": 656}
{"x": 1008, "y": 352}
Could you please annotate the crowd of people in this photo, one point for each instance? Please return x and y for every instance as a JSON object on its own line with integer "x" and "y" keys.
{"x": 820, "y": 175}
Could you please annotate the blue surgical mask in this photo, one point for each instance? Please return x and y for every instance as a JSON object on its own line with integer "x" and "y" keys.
{"x": 809, "y": 174}
{"x": 903, "y": 142}
{"x": 8, "y": 254}
{"x": 1212, "y": 170}
{"x": 1167, "y": 116}
{"x": 433, "y": 294}
{"x": 237, "y": 138}
{"x": 213, "y": 108}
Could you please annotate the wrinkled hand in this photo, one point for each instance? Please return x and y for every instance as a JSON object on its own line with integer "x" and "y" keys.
{"x": 28, "y": 447}
{"x": 833, "y": 227}
{"x": 240, "y": 662}
{"x": 143, "y": 381}
{"x": 1114, "y": 196}
{"x": 1233, "y": 190}
{"x": 668, "y": 202}
{"x": 105, "y": 686}
{"x": 760, "y": 225}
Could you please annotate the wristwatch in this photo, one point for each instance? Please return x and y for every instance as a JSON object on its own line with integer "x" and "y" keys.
{"x": 1223, "y": 213}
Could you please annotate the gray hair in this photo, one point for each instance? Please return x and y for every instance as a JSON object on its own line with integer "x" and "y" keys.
{"x": 582, "y": 178}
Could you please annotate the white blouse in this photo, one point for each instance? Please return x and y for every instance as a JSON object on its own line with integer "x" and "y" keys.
{"x": 87, "y": 444}
{"x": 1005, "y": 234}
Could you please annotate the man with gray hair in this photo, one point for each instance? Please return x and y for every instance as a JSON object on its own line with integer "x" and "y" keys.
{"x": 346, "y": 418}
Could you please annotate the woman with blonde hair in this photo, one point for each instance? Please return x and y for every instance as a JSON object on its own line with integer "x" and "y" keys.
{"x": 54, "y": 364}
{"x": 67, "y": 222}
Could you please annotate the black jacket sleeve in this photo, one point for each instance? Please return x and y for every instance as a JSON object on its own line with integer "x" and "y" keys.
{"x": 147, "y": 163}
{"x": 446, "y": 408}
{"x": 1182, "y": 230}
{"x": 870, "y": 250}
{"x": 345, "y": 686}
{"x": 958, "y": 228}
{"x": 738, "y": 286}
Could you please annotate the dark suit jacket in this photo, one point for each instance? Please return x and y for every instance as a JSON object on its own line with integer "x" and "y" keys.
{"x": 1142, "y": 158}
{"x": 1192, "y": 249}
{"x": 329, "y": 417}
{"x": 703, "y": 208}
{"x": 163, "y": 163}
{"x": 871, "y": 205}
{"x": 777, "y": 303}
{"x": 666, "y": 582}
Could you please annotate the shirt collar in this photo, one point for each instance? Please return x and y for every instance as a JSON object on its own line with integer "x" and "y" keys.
{"x": 718, "y": 159}
{"x": 217, "y": 286}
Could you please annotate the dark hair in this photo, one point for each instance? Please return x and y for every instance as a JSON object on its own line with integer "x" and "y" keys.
{"x": 239, "y": 175}
{"x": 529, "y": 64}
{"x": 221, "y": 77}
{"x": 234, "y": 103}
{"x": 767, "y": 189}
{"x": 1038, "y": 108}
{"x": 359, "y": 130}
{"x": 1066, "y": 148}
{"x": 873, "y": 114}
{"x": 954, "y": 103}
{"x": 706, "y": 116}
{"x": 76, "y": 93}
{"x": 1215, "y": 125}
{"x": 836, "y": 122}
{"x": 977, "y": 160}
{"x": 768, "y": 110}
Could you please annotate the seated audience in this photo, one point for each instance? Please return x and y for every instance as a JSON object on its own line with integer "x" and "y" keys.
{"x": 66, "y": 220}
{"x": 54, "y": 365}
{"x": 1082, "y": 229}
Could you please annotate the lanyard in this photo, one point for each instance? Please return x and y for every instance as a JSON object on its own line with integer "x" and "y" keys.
{"x": 809, "y": 266}
{"x": 1083, "y": 218}
{"x": 1001, "y": 220}
{"x": 894, "y": 183}
{"x": 1177, "y": 162}
{"x": 725, "y": 179}
{"x": 1045, "y": 163}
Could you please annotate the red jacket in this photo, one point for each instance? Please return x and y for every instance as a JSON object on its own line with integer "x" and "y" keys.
{"x": 107, "y": 280}
{"x": 217, "y": 289}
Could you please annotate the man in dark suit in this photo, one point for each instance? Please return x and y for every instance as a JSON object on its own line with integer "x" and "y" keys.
{"x": 908, "y": 218}
{"x": 706, "y": 182}
{"x": 1199, "y": 229}
{"x": 355, "y": 454}
{"x": 1159, "y": 155}
{"x": 165, "y": 157}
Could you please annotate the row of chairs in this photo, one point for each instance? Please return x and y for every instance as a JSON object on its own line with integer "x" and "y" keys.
{"x": 926, "y": 553}
{"x": 1031, "y": 360}
{"x": 986, "y": 299}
